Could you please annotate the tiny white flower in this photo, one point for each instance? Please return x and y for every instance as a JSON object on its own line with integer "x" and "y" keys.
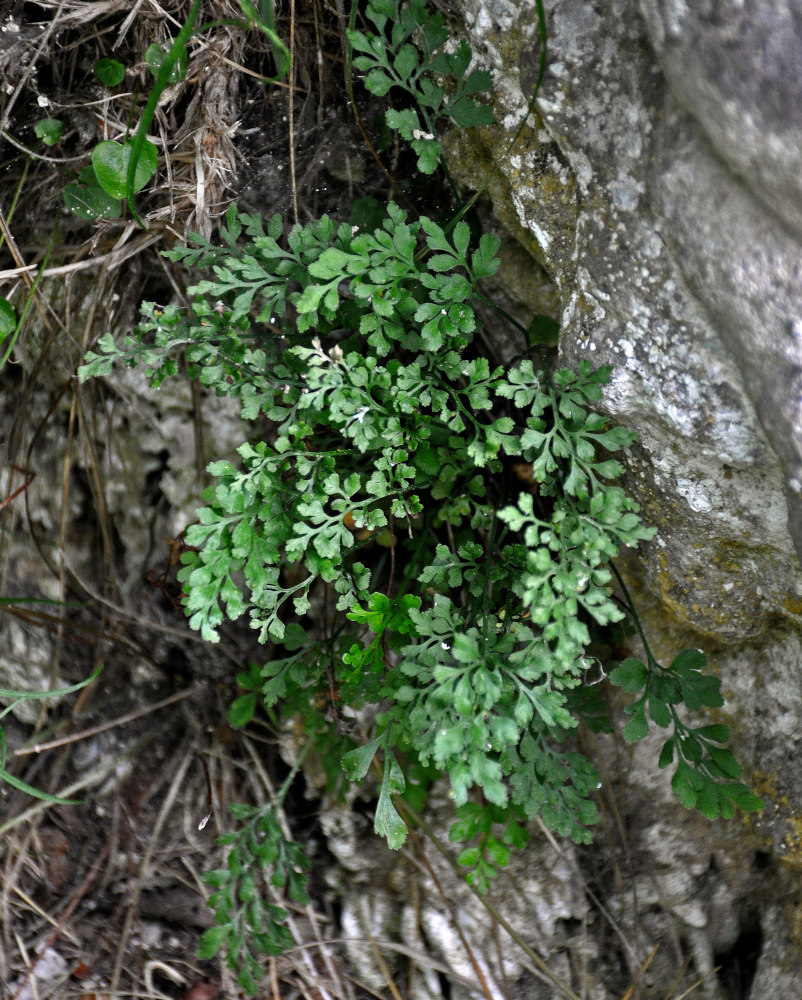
{"x": 360, "y": 415}
{"x": 417, "y": 134}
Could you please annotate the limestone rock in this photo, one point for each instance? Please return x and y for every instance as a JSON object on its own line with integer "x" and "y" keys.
{"x": 657, "y": 183}
{"x": 670, "y": 269}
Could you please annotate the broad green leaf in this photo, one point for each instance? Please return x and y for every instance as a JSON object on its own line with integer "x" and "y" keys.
{"x": 659, "y": 712}
{"x": 719, "y": 733}
{"x": 743, "y": 798}
{"x": 466, "y": 113}
{"x": 689, "y": 660}
{"x": 295, "y": 637}
{"x": 497, "y": 852}
{"x": 637, "y": 727}
{"x": 241, "y": 711}
{"x": 682, "y": 785}
{"x": 388, "y": 823}
{"x": 725, "y": 760}
{"x": 356, "y": 762}
{"x": 212, "y": 940}
{"x": 378, "y": 82}
{"x": 406, "y": 121}
{"x": 465, "y": 649}
{"x": 429, "y": 153}
{"x": 406, "y": 61}
{"x": 89, "y": 201}
{"x": 110, "y": 161}
{"x": 667, "y": 753}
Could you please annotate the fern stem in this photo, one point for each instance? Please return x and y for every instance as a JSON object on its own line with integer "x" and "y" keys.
{"x": 631, "y": 605}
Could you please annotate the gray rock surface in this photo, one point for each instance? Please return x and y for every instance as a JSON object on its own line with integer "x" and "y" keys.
{"x": 669, "y": 268}
{"x": 657, "y": 184}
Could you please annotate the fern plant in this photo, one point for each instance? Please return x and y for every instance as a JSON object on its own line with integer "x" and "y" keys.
{"x": 415, "y": 529}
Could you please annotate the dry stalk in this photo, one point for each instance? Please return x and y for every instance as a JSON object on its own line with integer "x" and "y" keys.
{"x": 144, "y": 868}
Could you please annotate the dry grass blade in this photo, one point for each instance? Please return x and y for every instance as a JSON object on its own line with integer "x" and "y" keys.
{"x": 33, "y": 905}
{"x": 388, "y": 978}
{"x": 105, "y": 726}
{"x": 93, "y": 778}
{"x": 696, "y": 985}
{"x": 631, "y": 991}
{"x": 80, "y": 10}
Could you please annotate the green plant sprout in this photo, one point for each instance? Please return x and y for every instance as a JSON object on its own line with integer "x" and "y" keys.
{"x": 48, "y": 130}
{"x": 375, "y": 530}
{"x": 17, "y": 698}
{"x": 244, "y": 921}
{"x": 12, "y": 325}
{"x": 705, "y": 771}
{"x": 393, "y": 60}
{"x": 119, "y": 170}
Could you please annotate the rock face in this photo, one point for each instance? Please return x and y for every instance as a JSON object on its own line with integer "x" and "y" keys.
{"x": 677, "y": 270}
{"x": 658, "y": 183}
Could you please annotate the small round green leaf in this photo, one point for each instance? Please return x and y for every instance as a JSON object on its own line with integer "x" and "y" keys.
{"x": 109, "y": 71}
{"x": 49, "y": 130}
{"x": 241, "y": 711}
{"x": 110, "y": 161}
{"x": 8, "y": 319}
{"x": 469, "y": 857}
{"x": 631, "y": 675}
{"x": 155, "y": 56}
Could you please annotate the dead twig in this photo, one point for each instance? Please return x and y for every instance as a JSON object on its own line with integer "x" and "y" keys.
{"x": 121, "y": 720}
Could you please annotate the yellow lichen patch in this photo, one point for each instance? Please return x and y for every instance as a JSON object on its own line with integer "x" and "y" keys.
{"x": 778, "y": 814}
{"x": 793, "y": 840}
{"x": 793, "y": 605}
{"x": 765, "y": 785}
{"x": 793, "y": 921}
